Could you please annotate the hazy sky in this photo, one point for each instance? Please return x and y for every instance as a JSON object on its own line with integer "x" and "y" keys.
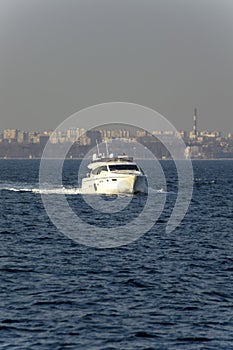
{"x": 58, "y": 56}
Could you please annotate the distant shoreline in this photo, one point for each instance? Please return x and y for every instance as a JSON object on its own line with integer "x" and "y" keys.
{"x": 165, "y": 160}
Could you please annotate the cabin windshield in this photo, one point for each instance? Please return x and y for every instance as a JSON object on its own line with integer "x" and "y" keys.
{"x": 98, "y": 170}
{"x": 117, "y": 167}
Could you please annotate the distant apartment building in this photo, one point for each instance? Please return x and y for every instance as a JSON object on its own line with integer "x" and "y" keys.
{"x": 10, "y": 135}
{"x": 43, "y": 139}
{"x": 183, "y": 134}
{"x": 54, "y": 138}
{"x": 33, "y": 137}
{"x": 22, "y": 136}
{"x": 210, "y": 134}
{"x": 58, "y": 137}
{"x": 193, "y": 135}
{"x": 141, "y": 133}
{"x": 72, "y": 134}
{"x": 114, "y": 134}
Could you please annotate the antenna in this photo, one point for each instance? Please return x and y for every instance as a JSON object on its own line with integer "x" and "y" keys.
{"x": 97, "y": 145}
{"x": 107, "y": 152}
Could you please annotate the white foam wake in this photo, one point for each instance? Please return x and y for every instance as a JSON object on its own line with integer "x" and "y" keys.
{"x": 58, "y": 190}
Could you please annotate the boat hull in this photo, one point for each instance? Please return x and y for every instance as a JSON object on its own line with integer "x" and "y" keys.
{"x": 125, "y": 184}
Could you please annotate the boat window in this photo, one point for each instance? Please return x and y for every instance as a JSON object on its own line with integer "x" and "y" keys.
{"x": 98, "y": 170}
{"x": 123, "y": 167}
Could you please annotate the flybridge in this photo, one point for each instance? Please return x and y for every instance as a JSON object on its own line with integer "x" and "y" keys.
{"x": 111, "y": 158}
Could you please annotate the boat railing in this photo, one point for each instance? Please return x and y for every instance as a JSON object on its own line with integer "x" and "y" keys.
{"x": 113, "y": 159}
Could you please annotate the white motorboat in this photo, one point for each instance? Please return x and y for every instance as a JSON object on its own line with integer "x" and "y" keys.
{"x": 114, "y": 175}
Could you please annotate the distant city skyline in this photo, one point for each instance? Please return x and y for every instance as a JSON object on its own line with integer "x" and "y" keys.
{"x": 58, "y": 57}
{"x": 125, "y": 126}
{"x": 198, "y": 144}
{"x": 115, "y": 130}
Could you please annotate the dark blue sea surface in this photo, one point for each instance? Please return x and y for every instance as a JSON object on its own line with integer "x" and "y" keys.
{"x": 162, "y": 291}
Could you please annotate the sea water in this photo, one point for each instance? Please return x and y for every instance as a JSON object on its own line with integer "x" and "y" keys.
{"x": 162, "y": 291}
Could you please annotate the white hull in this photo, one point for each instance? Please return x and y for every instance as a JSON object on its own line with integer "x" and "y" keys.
{"x": 118, "y": 184}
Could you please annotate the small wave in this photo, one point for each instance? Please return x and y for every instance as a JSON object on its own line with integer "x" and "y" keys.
{"x": 161, "y": 190}
{"x": 199, "y": 181}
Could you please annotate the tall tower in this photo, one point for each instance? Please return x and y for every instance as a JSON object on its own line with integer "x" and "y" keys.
{"x": 195, "y": 124}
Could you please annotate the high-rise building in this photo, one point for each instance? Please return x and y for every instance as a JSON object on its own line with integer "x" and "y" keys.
{"x": 193, "y": 135}
{"x": 195, "y": 124}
